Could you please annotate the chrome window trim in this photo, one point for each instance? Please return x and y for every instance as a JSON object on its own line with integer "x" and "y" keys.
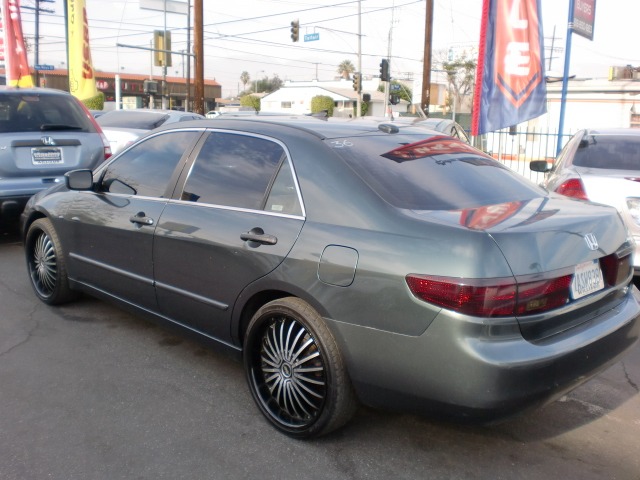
{"x": 234, "y": 209}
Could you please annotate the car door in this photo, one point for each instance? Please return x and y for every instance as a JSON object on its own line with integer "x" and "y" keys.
{"x": 235, "y": 220}
{"x": 113, "y": 227}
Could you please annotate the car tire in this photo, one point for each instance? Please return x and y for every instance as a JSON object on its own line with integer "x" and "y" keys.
{"x": 46, "y": 263}
{"x": 295, "y": 370}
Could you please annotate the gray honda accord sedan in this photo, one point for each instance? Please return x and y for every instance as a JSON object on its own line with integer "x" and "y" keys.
{"x": 347, "y": 262}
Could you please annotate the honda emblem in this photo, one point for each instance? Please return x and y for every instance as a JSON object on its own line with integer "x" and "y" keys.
{"x": 592, "y": 241}
{"x": 48, "y": 141}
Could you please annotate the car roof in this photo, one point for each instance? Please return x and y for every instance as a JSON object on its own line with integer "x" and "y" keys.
{"x": 31, "y": 90}
{"x": 320, "y": 127}
{"x": 612, "y": 131}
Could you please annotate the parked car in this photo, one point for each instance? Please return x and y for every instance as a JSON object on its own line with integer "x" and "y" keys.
{"x": 123, "y": 127}
{"x": 446, "y": 126}
{"x": 602, "y": 166}
{"x": 346, "y": 262}
{"x": 43, "y": 134}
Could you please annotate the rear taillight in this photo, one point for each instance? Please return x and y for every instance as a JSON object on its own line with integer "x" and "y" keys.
{"x": 573, "y": 188}
{"x": 501, "y": 297}
{"x": 615, "y": 270}
{"x": 105, "y": 142}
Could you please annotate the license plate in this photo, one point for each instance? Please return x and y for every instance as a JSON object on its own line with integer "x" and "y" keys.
{"x": 46, "y": 156}
{"x": 586, "y": 279}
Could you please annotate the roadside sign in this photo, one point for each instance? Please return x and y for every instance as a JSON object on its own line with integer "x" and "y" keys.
{"x": 394, "y": 87}
{"x": 311, "y": 37}
{"x": 44, "y": 67}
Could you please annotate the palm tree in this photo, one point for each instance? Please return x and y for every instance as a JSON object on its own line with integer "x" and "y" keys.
{"x": 346, "y": 68}
{"x": 244, "y": 78}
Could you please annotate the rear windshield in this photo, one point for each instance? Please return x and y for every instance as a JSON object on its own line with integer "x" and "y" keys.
{"x": 617, "y": 152}
{"x": 137, "y": 119}
{"x": 40, "y": 113}
{"x": 439, "y": 173}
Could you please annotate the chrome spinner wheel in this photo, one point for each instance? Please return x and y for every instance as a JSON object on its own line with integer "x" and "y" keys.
{"x": 295, "y": 370}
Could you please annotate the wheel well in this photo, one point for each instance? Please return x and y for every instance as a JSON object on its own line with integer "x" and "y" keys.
{"x": 34, "y": 216}
{"x": 254, "y": 304}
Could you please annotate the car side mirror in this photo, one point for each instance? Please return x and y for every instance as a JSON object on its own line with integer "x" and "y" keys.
{"x": 79, "y": 179}
{"x": 540, "y": 166}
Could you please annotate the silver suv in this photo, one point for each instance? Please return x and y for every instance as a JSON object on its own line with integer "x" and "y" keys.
{"x": 43, "y": 134}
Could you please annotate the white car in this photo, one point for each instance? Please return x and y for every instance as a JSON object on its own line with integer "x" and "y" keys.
{"x": 123, "y": 127}
{"x": 602, "y": 166}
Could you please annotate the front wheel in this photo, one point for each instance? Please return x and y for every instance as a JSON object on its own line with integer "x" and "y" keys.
{"x": 295, "y": 370}
{"x": 46, "y": 263}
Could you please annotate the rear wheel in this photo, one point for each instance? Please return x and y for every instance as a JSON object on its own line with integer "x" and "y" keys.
{"x": 295, "y": 370}
{"x": 46, "y": 264}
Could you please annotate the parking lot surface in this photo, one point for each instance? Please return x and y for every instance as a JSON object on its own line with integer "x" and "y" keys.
{"x": 88, "y": 391}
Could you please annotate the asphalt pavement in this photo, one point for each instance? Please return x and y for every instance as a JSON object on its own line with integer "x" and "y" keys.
{"x": 88, "y": 391}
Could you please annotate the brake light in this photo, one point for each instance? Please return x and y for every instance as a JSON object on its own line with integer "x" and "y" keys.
{"x": 105, "y": 142}
{"x": 502, "y": 297}
{"x": 573, "y": 188}
{"x": 615, "y": 270}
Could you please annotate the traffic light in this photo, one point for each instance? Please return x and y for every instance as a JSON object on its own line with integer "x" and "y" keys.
{"x": 384, "y": 70}
{"x": 357, "y": 82}
{"x": 295, "y": 30}
{"x": 394, "y": 99}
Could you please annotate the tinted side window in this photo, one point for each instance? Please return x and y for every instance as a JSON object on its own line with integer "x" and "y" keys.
{"x": 146, "y": 169}
{"x": 233, "y": 170}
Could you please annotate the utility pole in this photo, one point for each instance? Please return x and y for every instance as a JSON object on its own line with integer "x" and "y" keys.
{"x": 426, "y": 70}
{"x": 188, "y": 85}
{"x": 198, "y": 101}
{"x": 358, "y": 93}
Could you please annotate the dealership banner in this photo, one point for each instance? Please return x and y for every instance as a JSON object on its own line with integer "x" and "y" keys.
{"x": 510, "y": 80}
{"x": 82, "y": 80}
{"x": 13, "y": 50}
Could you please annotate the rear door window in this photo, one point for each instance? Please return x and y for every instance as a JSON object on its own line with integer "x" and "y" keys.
{"x": 238, "y": 170}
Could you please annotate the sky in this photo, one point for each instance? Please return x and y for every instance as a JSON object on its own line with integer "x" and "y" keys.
{"x": 254, "y": 36}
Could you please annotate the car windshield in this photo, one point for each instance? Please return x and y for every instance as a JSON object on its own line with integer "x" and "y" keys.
{"x": 439, "y": 173}
{"x": 617, "y": 152}
{"x": 37, "y": 113}
{"x": 134, "y": 119}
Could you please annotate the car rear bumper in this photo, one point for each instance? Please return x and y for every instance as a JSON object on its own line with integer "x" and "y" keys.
{"x": 16, "y": 192}
{"x": 475, "y": 371}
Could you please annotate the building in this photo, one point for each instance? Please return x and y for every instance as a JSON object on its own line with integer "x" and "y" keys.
{"x": 133, "y": 88}
{"x": 295, "y": 98}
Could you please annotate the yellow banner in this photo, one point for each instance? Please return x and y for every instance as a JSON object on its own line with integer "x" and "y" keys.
{"x": 82, "y": 80}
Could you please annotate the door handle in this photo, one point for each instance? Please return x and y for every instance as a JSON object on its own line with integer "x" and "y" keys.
{"x": 257, "y": 235}
{"x": 141, "y": 219}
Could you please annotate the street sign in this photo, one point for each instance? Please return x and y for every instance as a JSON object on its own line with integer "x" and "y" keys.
{"x": 394, "y": 87}
{"x": 44, "y": 67}
{"x": 311, "y": 37}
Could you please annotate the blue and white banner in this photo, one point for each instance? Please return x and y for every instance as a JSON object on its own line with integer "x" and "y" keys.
{"x": 510, "y": 79}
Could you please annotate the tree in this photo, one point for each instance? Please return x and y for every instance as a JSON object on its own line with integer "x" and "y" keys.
{"x": 346, "y": 68}
{"x": 461, "y": 77}
{"x": 245, "y": 78}
{"x": 403, "y": 91}
{"x": 250, "y": 101}
{"x": 320, "y": 103}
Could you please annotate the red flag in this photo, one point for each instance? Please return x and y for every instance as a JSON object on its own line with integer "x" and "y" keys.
{"x": 510, "y": 80}
{"x": 15, "y": 54}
